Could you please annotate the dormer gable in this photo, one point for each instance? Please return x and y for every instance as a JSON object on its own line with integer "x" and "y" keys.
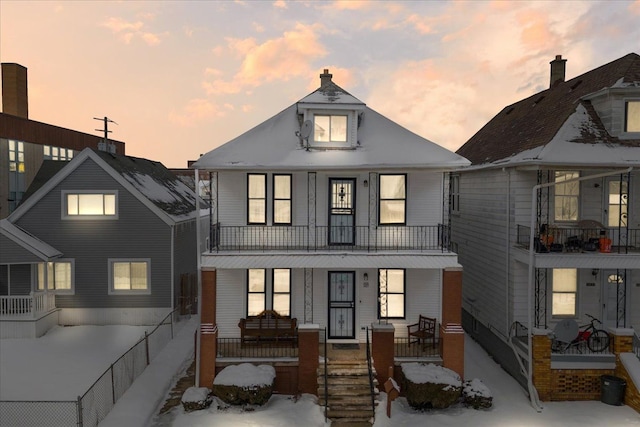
{"x": 329, "y": 117}
{"x": 618, "y": 107}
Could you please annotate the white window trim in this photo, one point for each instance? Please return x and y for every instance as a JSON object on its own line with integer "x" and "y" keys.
{"x": 113, "y": 291}
{"x": 351, "y": 137}
{"x": 556, "y": 196}
{"x": 625, "y": 132}
{"x": 70, "y": 291}
{"x": 577, "y": 295}
{"x": 63, "y": 206}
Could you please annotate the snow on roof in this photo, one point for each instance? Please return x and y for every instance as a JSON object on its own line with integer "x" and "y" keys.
{"x": 28, "y": 241}
{"x": 383, "y": 143}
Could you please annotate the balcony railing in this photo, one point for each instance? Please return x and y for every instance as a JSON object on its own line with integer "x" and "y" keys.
{"x": 326, "y": 238}
{"x": 27, "y": 306}
{"x": 574, "y": 239}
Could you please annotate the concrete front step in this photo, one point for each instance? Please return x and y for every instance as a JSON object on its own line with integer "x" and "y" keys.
{"x": 353, "y": 415}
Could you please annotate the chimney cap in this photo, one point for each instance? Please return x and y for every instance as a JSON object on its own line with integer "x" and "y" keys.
{"x": 325, "y": 77}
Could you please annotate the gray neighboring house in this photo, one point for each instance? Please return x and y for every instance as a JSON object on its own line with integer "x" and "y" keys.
{"x": 101, "y": 239}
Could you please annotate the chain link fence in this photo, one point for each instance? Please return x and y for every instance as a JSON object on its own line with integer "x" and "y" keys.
{"x": 94, "y": 405}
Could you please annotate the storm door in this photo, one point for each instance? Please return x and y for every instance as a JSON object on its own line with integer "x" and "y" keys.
{"x": 342, "y": 310}
{"x": 613, "y": 298}
{"x": 341, "y": 211}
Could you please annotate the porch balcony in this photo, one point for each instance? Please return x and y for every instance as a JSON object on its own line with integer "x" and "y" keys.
{"x": 307, "y": 238}
{"x": 22, "y": 307}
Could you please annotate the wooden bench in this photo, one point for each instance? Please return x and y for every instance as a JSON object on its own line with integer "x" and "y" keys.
{"x": 268, "y": 326}
{"x": 423, "y": 331}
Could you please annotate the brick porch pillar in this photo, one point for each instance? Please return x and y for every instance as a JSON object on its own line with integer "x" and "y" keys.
{"x": 208, "y": 330}
{"x": 451, "y": 332}
{"x": 382, "y": 351}
{"x": 308, "y": 355}
{"x": 541, "y": 354}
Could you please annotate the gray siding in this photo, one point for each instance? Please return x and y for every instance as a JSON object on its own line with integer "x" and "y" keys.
{"x": 11, "y": 252}
{"x": 185, "y": 255}
{"x": 137, "y": 233}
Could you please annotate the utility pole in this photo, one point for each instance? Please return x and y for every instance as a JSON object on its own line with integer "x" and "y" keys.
{"x": 106, "y": 131}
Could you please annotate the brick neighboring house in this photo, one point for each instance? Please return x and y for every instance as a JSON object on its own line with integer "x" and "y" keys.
{"x": 546, "y": 223}
{"x": 332, "y": 214}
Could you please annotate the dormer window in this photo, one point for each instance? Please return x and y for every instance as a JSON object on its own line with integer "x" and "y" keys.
{"x": 330, "y": 128}
{"x": 632, "y": 116}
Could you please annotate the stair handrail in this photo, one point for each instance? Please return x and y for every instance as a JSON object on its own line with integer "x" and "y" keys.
{"x": 326, "y": 380}
{"x": 369, "y": 367}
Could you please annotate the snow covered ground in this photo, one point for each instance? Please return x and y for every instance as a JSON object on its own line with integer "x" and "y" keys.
{"x": 27, "y": 367}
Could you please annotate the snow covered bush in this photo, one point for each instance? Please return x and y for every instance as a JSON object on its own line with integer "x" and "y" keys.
{"x": 430, "y": 386}
{"x": 244, "y": 384}
{"x": 196, "y": 398}
{"x": 476, "y": 394}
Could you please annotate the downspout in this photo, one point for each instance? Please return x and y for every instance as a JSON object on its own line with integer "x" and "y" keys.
{"x": 199, "y": 276}
{"x": 533, "y": 393}
{"x": 173, "y": 279}
{"x": 507, "y": 251}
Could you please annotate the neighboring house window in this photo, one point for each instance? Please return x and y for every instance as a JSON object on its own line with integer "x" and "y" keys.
{"x": 90, "y": 204}
{"x": 565, "y": 289}
{"x": 17, "y": 185}
{"x": 129, "y": 276}
{"x": 56, "y": 153}
{"x": 391, "y": 294}
{"x": 455, "y": 193}
{"x": 58, "y": 276}
{"x": 567, "y": 195}
{"x": 256, "y": 291}
{"x": 393, "y": 199}
{"x": 282, "y": 291}
{"x": 282, "y": 199}
{"x": 632, "y": 116}
{"x": 330, "y": 128}
{"x": 257, "y": 198}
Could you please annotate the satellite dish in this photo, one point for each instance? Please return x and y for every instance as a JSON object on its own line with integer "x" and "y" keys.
{"x": 566, "y": 330}
{"x": 305, "y": 129}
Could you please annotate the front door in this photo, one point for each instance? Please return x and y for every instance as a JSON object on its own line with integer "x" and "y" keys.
{"x": 612, "y": 301}
{"x": 342, "y": 307}
{"x": 616, "y": 209}
{"x": 341, "y": 211}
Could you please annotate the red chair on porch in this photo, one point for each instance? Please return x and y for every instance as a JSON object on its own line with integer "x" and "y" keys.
{"x": 423, "y": 331}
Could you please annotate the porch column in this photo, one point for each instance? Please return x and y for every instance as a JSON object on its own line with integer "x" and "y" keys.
{"x": 451, "y": 332}
{"x": 382, "y": 350}
{"x": 622, "y": 342}
{"x": 208, "y": 329}
{"x": 541, "y": 366}
{"x": 308, "y": 355}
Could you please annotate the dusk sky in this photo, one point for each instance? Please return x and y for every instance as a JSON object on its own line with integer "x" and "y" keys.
{"x": 183, "y": 77}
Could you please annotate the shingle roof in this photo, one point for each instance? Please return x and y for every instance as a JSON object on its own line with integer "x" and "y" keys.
{"x": 534, "y": 121}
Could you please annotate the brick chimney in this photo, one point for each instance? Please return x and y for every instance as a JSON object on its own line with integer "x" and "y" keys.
{"x": 558, "y": 67}
{"x": 14, "y": 90}
{"x": 325, "y": 78}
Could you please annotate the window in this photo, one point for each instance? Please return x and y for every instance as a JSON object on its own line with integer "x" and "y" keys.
{"x": 89, "y": 204}
{"x": 632, "y": 116}
{"x": 566, "y": 196}
{"x": 129, "y": 276}
{"x": 257, "y": 199}
{"x": 17, "y": 184}
{"x": 256, "y": 291}
{"x": 329, "y": 128}
{"x": 565, "y": 289}
{"x": 393, "y": 199}
{"x": 617, "y": 209}
{"x": 455, "y": 193}
{"x": 282, "y": 291}
{"x": 391, "y": 294}
{"x": 55, "y": 153}
{"x": 58, "y": 275}
{"x": 282, "y": 199}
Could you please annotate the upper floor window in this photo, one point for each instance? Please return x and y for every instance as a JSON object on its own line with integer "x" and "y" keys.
{"x": 632, "y": 116}
{"x": 16, "y": 156}
{"x": 282, "y": 199}
{"x": 57, "y": 275}
{"x": 257, "y": 198}
{"x": 393, "y": 199}
{"x": 90, "y": 205}
{"x": 330, "y": 128}
{"x": 567, "y": 196}
{"x": 56, "y": 153}
{"x": 129, "y": 276}
{"x": 565, "y": 290}
{"x": 455, "y": 193}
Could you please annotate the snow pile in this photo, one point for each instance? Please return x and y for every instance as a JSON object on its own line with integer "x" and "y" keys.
{"x": 196, "y": 398}
{"x": 246, "y": 375}
{"x": 476, "y": 394}
{"x": 429, "y": 386}
{"x": 421, "y": 373}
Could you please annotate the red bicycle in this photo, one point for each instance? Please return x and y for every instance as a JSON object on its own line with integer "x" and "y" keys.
{"x": 569, "y": 334}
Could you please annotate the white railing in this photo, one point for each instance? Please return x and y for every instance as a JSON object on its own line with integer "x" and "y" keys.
{"x": 27, "y": 306}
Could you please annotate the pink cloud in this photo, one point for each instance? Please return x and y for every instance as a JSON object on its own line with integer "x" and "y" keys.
{"x": 195, "y": 110}
{"x": 127, "y": 31}
{"x": 280, "y": 4}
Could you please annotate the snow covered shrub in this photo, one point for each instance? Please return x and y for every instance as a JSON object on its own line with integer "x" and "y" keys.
{"x": 244, "y": 384}
{"x": 476, "y": 394}
{"x": 430, "y": 386}
{"x": 196, "y": 398}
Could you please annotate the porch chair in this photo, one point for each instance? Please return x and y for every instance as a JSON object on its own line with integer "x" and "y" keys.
{"x": 423, "y": 331}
